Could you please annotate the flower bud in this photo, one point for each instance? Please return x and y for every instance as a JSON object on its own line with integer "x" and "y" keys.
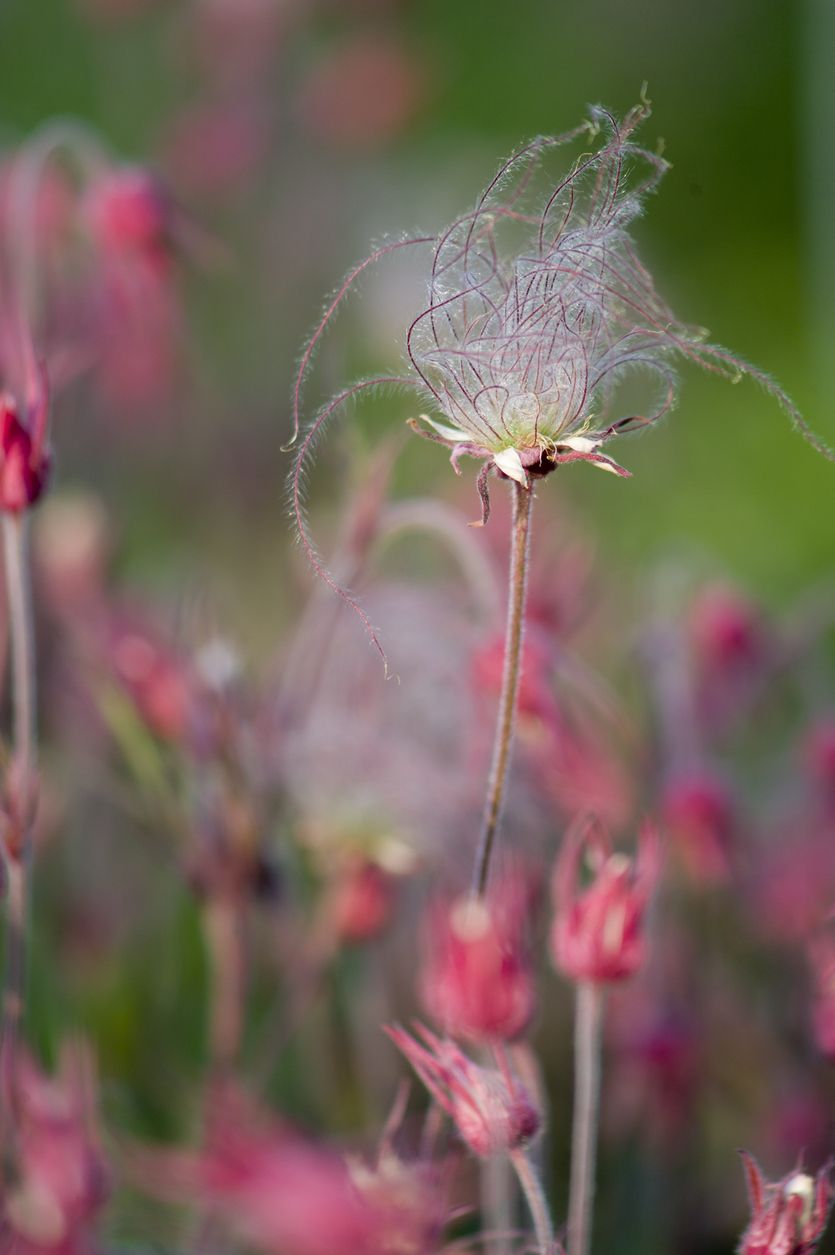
{"x": 788, "y": 1217}
{"x": 493, "y": 1113}
{"x": 24, "y": 465}
{"x": 477, "y": 980}
{"x": 598, "y": 931}
{"x": 361, "y": 901}
{"x": 127, "y": 210}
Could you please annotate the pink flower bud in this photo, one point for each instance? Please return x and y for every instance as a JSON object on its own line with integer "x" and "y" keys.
{"x": 157, "y": 680}
{"x": 727, "y": 632}
{"x": 493, "y": 1113}
{"x": 788, "y": 1217}
{"x": 361, "y": 901}
{"x": 24, "y": 463}
{"x": 598, "y": 931}
{"x": 271, "y": 1188}
{"x": 127, "y": 211}
{"x": 477, "y": 980}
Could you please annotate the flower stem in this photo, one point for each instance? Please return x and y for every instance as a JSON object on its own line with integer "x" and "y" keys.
{"x": 223, "y": 927}
{"x": 18, "y": 854}
{"x": 506, "y": 718}
{"x": 588, "y": 1025}
{"x": 532, "y": 1188}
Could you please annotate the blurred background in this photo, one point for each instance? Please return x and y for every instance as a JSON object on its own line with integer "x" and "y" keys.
{"x": 292, "y": 135}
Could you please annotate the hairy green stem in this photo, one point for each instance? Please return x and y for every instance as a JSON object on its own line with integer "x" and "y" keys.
{"x": 506, "y": 718}
{"x": 532, "y": 1189}
{"x": 588, "y": 1026}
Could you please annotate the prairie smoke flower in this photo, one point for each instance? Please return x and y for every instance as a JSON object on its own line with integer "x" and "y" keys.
{"x": 537, "y": 308}
{"x": 493, "y": 1113}
{"x": 597, "y": 935}
{"x": 477, "y": 979}
{"x": 788, "y": 1217}
{"x": 59, "y": 1182}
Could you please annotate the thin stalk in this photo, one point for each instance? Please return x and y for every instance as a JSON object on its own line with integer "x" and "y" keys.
{"x": 223, "y": 927}
{"x": 19, "y": 858}
{"x": 588, "y": 1024}
{"x": 506, "y": 718}
{"x": 532, "y": 1189}
{"x": 497, "y": 1199}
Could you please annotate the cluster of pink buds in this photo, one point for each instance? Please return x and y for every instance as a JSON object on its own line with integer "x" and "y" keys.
{"x": 493, "y": 1113}
{"x": 477, "y": 980}
{"x": 598, "y": 933}
{"x": 788, "y": 1217}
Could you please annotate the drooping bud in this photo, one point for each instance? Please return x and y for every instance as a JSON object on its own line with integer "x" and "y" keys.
{"x": 477, "y": 980}
{"x": 24, "y": 463}
{"x": 788, "y": 1217}
{"x": 127, "y": 210}
{"x": 598, "y": 931}
{"x": 493, "y": 1113}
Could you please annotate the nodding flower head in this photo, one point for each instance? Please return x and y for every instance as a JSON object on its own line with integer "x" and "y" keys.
{"x": 788, "y": 1217}
{"x": 477, "y": 979}
{"x": 492, "y": 1111}
{"x": 598, "y": 932}
{"x": 24, "y": 454}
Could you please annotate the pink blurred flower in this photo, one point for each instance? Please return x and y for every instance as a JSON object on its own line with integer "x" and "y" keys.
{"x": 236, "y": 41}
{"x": 657, "y": 1069}
{"x": 58, "y": 1181}
{"x": 788, "y": 1217}
{"x": 364, "y": 92}
{"x": 277, "y": 1191}
{"x": 598, "y": 932}
{"x": 492, "y": 1112}
{"x": 360, "y": 902}
{"x": 793, "y": 889}
{"x": 215, "y": 147}
{"x": 477, "y": 979}
{"x": 698, "y": 814}
{"x": 732, "y": 653}
{"x": 819, "y": 756}
{"x": 160, "y": 683}
{"x": 127, "y": 210}
{"x": 727, "y": 631}
{"x": 24, "y": 455}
